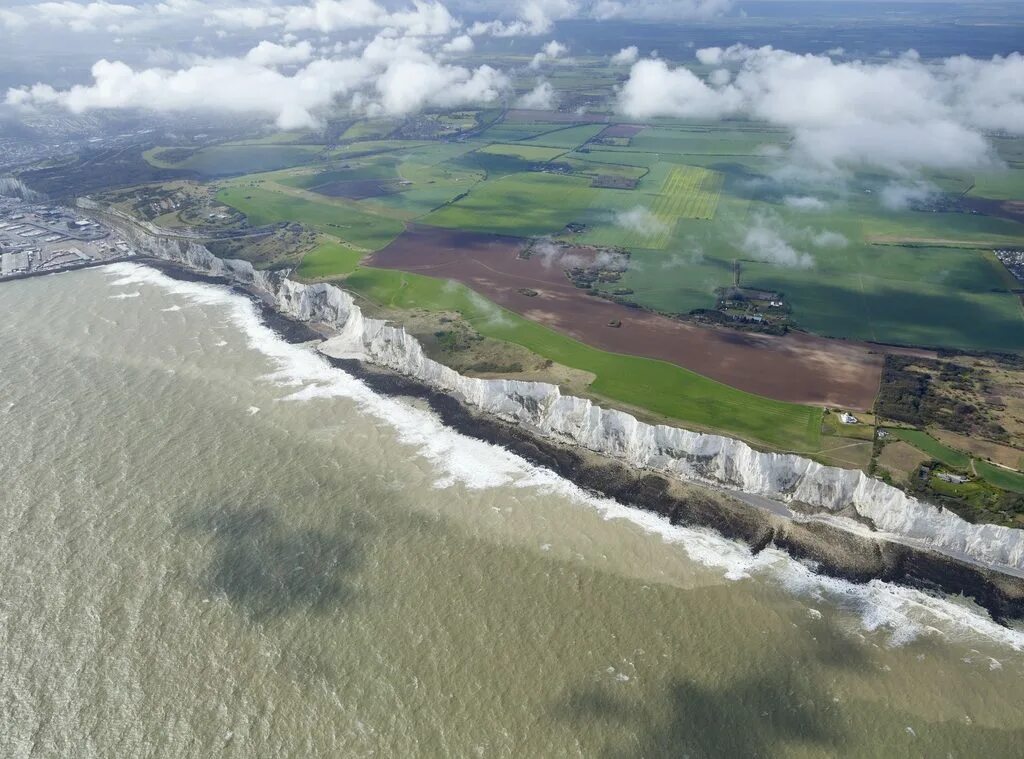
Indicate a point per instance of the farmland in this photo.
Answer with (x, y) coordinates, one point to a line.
(698, 208)
(653, 387)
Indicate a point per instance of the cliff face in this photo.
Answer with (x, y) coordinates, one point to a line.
(542, 409)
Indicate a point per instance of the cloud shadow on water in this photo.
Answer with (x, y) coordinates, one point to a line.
(756, 715)
(268, 568)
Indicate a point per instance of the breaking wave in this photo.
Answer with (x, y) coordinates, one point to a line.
(898, 613)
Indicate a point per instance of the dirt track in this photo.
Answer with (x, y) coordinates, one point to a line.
(798, 368)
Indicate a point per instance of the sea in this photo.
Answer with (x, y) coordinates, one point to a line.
(214, 544)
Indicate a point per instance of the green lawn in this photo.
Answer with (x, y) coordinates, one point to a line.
(662, 388)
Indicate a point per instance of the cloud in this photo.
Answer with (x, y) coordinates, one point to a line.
(77, 16)
(391, 77)
(627, 56)
(641, 221)
(540, 98)
(903, 114)
(666, 10)
(271, 54)
(899, 196)
(422, 18)
(654, 89)
(550, 52)
(410, 86)
(534, 17)
(805, 203)
(763, 242)
(461, 44)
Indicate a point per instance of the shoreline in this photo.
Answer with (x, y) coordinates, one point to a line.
(829, 548)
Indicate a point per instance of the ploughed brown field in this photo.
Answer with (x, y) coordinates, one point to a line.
(554, 117)
(359, 189)
(798, 368)
(621, 130)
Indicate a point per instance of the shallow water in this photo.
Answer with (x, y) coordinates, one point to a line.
(213, 544)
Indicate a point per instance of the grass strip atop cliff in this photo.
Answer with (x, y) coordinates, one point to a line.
(661, 388)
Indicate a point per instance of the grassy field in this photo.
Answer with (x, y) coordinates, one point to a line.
(327, 261)
(866, 272)
(929, 445)
(1001, 478)
(567, 139)
(262, 206)
(521, 204)
(690, 192)
(524, 152)
(660, 388)
(992, 474)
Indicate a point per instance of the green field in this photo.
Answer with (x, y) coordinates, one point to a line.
(522, 204)
(690, 192)
(261, 206)
(932, 447)
(992, 474)
(569, 138)
(523, 152)
(328, 260)
(1001, 478)
(661, 388)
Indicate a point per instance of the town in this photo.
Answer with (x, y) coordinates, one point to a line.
(40, 238)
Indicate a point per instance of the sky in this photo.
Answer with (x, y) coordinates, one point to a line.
(295, 63)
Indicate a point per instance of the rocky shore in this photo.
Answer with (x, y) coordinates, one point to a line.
(981, 562)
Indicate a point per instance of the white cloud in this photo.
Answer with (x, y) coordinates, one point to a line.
(902, 114)
(391, 77)
(655, 89)
(424, 18)
(805, 203)
(461, 44)
(271, 54)
(899, 196)
(409, 86)
(550, 52)
(77, 16)
(627, 56)
(675, 10)
(762, 242)
(540, 98)
(641, 221)
(534, 17)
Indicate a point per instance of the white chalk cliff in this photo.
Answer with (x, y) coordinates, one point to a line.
(543, 409)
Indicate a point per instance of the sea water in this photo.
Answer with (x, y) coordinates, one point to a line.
(212, 543)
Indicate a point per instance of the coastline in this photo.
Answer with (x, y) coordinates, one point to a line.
(830, 549)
